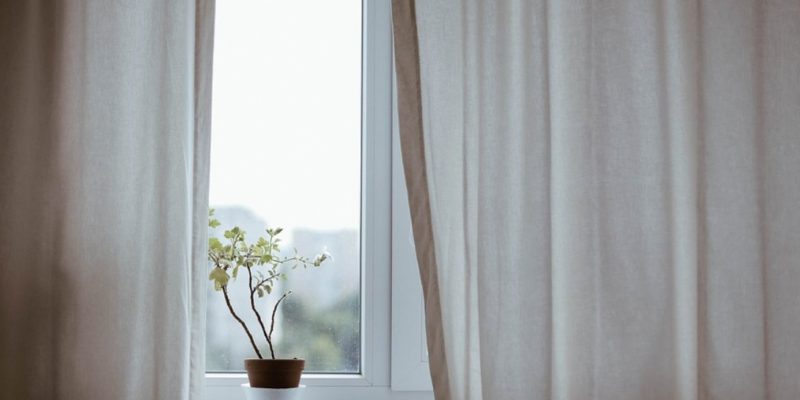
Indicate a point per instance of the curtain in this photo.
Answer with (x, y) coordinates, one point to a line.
(104, 140)
(605, 195)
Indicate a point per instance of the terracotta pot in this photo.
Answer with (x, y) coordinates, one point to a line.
(274, 374)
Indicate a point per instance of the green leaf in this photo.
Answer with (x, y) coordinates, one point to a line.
(268, 288)
(320, 259)
(214, 244)
(219, 276)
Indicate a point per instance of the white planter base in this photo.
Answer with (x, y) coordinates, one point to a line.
(272, 394)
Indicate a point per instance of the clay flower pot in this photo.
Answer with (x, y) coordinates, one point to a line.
(274, 374)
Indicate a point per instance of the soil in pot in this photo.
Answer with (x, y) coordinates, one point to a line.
(274, 374)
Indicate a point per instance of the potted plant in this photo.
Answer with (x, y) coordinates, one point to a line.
(264, 266)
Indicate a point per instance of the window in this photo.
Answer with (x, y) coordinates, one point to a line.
(303, 100)
(286, 152)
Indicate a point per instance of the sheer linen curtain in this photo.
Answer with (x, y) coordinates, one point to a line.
(104, 135)
(605, 195)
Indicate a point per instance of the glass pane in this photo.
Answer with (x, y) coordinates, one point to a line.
(286, 152)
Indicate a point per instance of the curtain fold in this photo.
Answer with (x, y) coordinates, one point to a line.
(104, 140)
(413, 153)
(604, 195)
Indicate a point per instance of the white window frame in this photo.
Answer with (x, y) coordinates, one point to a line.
(392, 367)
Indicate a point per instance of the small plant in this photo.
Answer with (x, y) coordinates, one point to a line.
(261, 262)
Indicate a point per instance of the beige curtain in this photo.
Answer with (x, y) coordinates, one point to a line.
(103, 166)
(605, 195)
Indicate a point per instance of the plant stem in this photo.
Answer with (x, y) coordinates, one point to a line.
(249, 335)
(263, 281)
(275, 310)
(258, 315)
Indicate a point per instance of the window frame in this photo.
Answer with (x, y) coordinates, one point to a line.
(378, 303)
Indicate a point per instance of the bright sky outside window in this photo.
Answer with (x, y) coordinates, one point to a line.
(286, 145)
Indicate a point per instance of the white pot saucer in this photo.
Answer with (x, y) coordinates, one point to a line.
(271, 394)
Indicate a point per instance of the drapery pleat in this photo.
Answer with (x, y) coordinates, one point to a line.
(413, 149)
(104, 134)
(612, 193)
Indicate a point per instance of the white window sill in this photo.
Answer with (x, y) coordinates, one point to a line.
(318, 387)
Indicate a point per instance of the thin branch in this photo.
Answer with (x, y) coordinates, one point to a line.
(258, 315)
(278, 260)
(275, 310)
(297, 259)
(230, 308)
(258, 284)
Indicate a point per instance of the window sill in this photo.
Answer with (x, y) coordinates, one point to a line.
(318, 387)
(311, 380)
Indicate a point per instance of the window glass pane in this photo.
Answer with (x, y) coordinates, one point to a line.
(286, 152)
